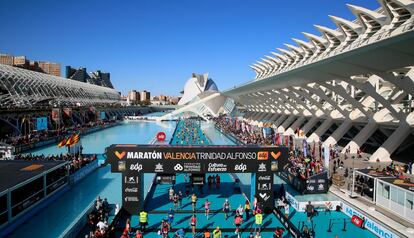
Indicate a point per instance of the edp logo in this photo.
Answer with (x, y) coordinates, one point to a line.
(240, 167)
(135, 167)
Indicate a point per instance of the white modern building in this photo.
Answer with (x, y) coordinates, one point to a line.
(201, 97)
(352, 85)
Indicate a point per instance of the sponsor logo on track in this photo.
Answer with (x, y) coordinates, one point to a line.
(178, 167)
(120, 155)
(262, 155)
(217, 167)
(240, 167)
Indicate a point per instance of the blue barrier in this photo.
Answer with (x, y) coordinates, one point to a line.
(83, 172)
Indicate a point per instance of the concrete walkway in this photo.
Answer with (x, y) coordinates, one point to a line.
(383, 216)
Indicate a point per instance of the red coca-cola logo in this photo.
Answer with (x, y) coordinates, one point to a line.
(161, 136)
(356, 220)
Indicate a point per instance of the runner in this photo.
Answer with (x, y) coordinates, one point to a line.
(194, 201)
(143, 220)
(309, 210)
(217, 181)
(206, 234)
(217, 233)
(175, 201)
(193, 223)
(171, 193)
(278, 232)
(238, 219)
(139, 234)
(239, 210)
(226, 208)
(207, 208)
(180, 198)
(164, 228)
(170, 217)
(257, 235)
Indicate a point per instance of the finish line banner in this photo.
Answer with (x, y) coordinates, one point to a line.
(133, 160)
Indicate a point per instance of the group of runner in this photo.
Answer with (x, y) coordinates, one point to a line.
(241, 213)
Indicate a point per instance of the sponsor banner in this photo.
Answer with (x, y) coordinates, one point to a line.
(132, 194)
(209, 153)
(326, 156)
(293, 202)
(67, 111)
(134, 160)
(314, 185)
(369, 224)
(102, 115)
(41, 123)
(217, 167)
(301, 206)
(56, 115)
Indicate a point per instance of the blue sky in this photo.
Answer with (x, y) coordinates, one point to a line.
(157, 44)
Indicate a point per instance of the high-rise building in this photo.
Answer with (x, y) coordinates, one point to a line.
(6, 59)
(50, 68)
(20, 61)
(133, 96)
(39, 66)
(145, 96)
(98, 77)
(163, 98)
(76, 74)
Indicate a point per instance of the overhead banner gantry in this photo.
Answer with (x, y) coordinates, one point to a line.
(134, 160)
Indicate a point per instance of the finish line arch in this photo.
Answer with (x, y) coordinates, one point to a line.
(135, 160)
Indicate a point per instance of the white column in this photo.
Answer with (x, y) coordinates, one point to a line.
(295, 125)
(280, 120)
(361, 137)
(310, 124)
(338, 133)
(286, 123)
(315, 137)
(383, 153)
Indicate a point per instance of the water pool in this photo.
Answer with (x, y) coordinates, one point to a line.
(54, 219)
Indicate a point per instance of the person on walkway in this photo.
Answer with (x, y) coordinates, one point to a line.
(287, 207)
(171, 193)
(238, 219)
(175, 201)
(247, 209)
(206, 234)
(194, 202)
(180, 199)
(309, 210)
(226, 208)
(239, 210)
(193, 223)
(257, 235)
(165, 228)
(139, 234)
(217, 181)
(170, 216)
(258, 221)
(217, 233)
(207, 208)
(143, 220)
